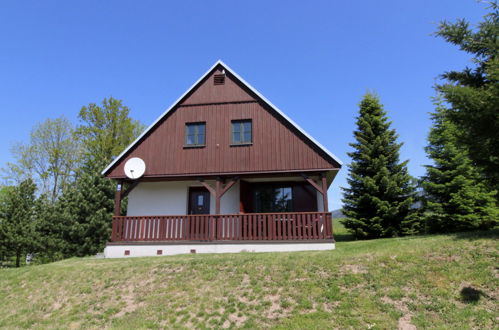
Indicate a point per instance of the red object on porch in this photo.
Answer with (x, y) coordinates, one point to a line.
(224, 227)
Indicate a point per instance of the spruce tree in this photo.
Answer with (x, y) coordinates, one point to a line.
(455, 197)
(472, 94)
(17, 221)
(88, 206)
(52, 230)
(378, 201)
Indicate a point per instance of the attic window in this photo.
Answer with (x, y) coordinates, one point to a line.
(219, 79)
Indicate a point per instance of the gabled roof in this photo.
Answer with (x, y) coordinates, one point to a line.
(242, 81)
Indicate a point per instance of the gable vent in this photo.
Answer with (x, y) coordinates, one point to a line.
(219, 79)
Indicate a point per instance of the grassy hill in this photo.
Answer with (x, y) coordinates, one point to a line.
(433, 281)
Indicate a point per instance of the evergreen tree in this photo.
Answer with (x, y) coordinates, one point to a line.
(86, 208)
(17, 221)
(472, 95)
(455, 198)
(380, 194)
(52, 231)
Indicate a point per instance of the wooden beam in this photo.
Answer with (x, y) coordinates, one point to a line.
(129, 189)
(218, 190)
(313, 183)
(324, 192)
(210, 188)
(229, 185)
(117, 198)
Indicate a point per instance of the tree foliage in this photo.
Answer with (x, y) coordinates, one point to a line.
(50, 157)
(456, 198)
(88, 208)
(88, 205)
(106, 130)
(472, 95)
(378, 201)
(17, 220)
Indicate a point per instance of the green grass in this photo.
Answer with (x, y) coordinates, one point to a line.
(447, 281)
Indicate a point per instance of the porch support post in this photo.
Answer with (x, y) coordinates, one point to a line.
(219, 190)
(218, 196)
(117, 198)
(324, 192)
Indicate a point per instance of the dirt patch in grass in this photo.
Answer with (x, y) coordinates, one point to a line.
(354, 269)
(404, 322)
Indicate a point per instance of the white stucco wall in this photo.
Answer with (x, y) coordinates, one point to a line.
(320, 202)
(171, 198)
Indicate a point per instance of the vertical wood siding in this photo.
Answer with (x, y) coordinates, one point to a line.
(276, 145)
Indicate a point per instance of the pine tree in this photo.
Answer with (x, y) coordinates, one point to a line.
(472, 95)
(455, 198)
(88, 206)
(17, 221)
(378, 201)
(52, 231)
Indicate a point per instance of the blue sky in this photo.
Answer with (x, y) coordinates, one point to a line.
(313, 59)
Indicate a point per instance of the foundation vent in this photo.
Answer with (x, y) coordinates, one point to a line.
(127, 252)
(159, 252)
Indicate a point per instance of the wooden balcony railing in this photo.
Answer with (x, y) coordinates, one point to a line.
(224, 227)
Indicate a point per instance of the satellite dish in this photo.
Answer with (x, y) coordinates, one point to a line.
(135, 168)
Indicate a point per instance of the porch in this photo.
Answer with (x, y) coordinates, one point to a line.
(259, 213)
(296, 226)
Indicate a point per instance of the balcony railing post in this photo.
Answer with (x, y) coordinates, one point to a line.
(113, 230)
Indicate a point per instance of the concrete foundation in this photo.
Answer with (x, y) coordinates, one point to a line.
(148, 250)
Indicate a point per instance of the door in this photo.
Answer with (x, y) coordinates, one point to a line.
(199, 200)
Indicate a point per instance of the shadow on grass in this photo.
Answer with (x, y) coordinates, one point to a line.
(340, 233)
(471, 295)
(478, 234)
(343, 237)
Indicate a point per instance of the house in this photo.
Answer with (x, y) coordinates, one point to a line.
(222, 170)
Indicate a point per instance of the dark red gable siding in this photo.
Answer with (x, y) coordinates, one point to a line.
(277, 146)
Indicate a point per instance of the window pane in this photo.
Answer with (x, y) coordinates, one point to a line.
(201, 139)
(236, 127)
(191, 129)
(273, 199)
(201, 128)
(191, 139)
(247, 136)
(247, 126)
(236, 137)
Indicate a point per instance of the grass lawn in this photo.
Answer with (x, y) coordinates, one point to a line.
(447, 281)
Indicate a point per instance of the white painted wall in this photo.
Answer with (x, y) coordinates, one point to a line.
(171, 198)
(230, 201)
(320, 202)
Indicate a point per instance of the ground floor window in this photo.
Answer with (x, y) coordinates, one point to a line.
(272, 199)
